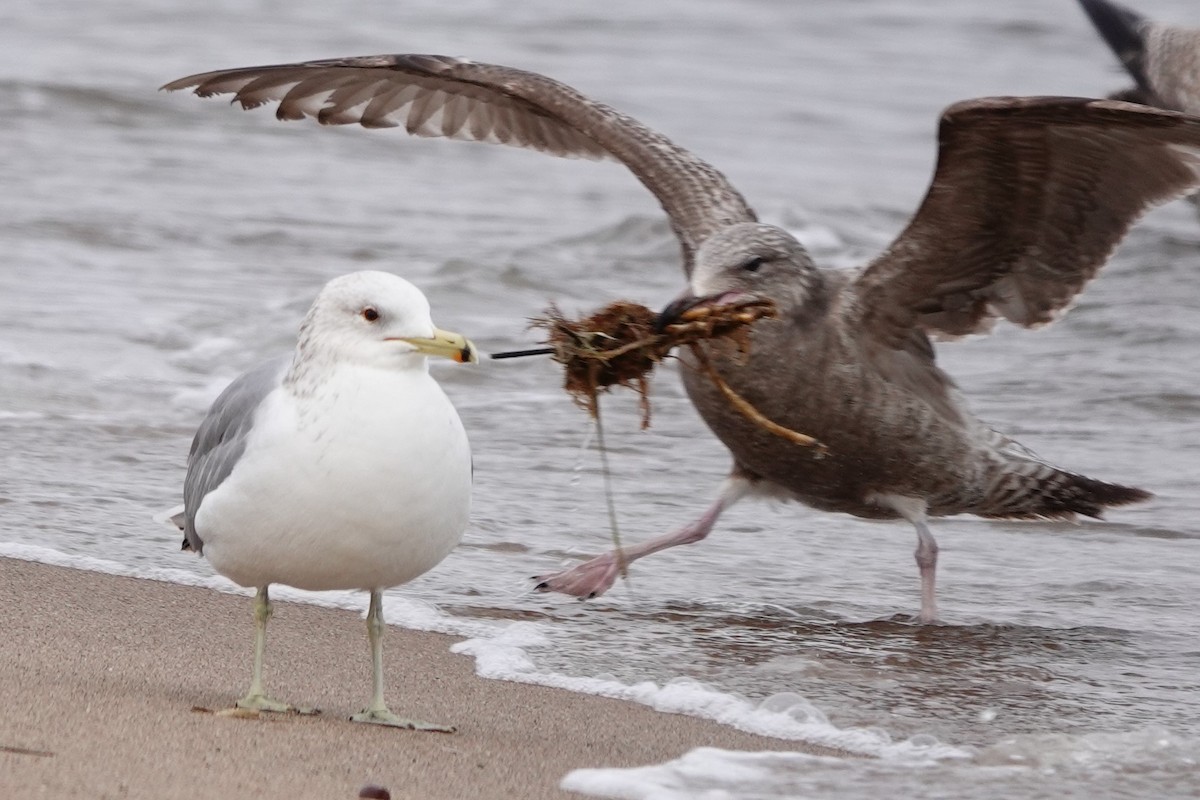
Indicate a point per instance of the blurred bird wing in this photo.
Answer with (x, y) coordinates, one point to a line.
(1029, 199)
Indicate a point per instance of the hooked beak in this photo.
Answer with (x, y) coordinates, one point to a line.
(445, 344)
(677, 310)
(672, 312)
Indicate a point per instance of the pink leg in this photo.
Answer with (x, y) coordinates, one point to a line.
(595, 577)
(913, 509)
(927, 552)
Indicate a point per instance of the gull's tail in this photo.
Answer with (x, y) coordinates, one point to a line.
(1025, 487)
(176, 518)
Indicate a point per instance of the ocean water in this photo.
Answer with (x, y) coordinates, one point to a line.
(156, 245)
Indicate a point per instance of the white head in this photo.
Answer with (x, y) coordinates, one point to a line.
(376, 319)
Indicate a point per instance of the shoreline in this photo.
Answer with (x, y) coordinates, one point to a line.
(100, 675)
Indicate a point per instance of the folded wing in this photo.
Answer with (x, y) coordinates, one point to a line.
(221, 439)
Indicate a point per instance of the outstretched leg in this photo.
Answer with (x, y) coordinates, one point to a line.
(593, 578)
(378, 713)
(255, 699)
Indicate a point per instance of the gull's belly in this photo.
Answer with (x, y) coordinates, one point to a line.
(359, 494)
(880, 439)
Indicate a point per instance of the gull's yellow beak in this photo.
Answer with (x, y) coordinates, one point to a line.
(446, 344)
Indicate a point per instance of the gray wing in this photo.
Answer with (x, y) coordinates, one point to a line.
(458, 99)
(221, 439)
(1164, 60)
(1029, 199)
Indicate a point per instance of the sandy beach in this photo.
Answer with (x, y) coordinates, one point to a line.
(100, 676)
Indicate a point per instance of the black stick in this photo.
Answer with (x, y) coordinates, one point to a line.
(537, 351)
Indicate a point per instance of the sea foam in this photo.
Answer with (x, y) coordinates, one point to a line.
(1151, 762)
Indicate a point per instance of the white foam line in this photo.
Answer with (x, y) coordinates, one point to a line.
(400, 611)
(705, 771)
(787, 716)
(499, 650)
(1147, 762)
(44, 555)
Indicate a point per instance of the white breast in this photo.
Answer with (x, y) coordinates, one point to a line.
(363, 485)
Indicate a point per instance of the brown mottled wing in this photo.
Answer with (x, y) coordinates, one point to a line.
(454, 98)
(1029, 199)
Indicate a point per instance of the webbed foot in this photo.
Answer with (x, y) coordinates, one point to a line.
(385, 717)
(260, 702)
(590, 579)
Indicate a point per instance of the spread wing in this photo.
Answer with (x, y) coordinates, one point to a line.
(1029, 199)
(221, 439)
(454, 98)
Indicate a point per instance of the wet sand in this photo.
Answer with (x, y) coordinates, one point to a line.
(100, 676)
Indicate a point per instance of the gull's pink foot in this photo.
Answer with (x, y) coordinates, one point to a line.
(585, 581)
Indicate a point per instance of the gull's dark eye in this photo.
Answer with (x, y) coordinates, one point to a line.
(753, 264)
(370, 314)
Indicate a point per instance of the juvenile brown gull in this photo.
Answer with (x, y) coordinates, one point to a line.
(341, 466)
(1029, 199)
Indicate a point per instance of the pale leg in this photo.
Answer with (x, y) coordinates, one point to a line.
(913, 509)
(593, 578)
(255, 699)
(378, 713)
(927, 552)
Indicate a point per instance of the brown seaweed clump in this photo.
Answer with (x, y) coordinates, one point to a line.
(618, 345)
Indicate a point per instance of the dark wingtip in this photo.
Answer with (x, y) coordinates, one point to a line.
(1134, 94)
(1122, 29)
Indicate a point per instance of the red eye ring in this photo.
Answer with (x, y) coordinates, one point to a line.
(370, 314)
